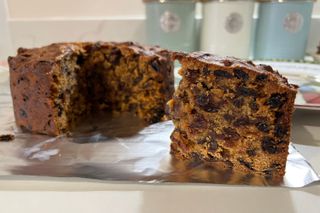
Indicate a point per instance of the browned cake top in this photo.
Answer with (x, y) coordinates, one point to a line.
(29, 58)
(207, 59)
(56, 51)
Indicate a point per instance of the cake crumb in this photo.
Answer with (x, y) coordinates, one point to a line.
(6, 137)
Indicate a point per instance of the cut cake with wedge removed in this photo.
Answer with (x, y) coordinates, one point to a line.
(53, 86)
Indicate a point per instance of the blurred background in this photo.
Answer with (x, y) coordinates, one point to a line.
(181, 25)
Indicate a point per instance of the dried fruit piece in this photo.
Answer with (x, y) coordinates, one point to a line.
(213, 146)
(276, 100)
(23, 113)
(280, 131)
(254, 106)
(244, 91)
(198, 122)
(241, 74)
(204, 102)
(242, 121)
(7, 137)
(261, 77)
(238, 102)
(251, 152)
(222, 74)
(191, 75)
(263, 126)
(268, 145)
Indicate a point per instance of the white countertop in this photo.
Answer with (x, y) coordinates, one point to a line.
(78, 196)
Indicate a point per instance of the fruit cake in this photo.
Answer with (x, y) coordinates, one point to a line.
(53, 86)
(231, 110)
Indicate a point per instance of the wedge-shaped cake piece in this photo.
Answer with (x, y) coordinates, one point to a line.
(231, 110)
(53, 86)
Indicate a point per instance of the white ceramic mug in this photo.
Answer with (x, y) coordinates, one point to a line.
(227, 27)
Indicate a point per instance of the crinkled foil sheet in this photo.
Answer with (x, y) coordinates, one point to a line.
(121, 149)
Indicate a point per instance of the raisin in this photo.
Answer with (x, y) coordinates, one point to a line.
(251, 152)
(122, 85)
(263, 126)
(20, 79)
(25, 98)
(115, 57)
(244, 91)
(202, 100)
(7, 137)
(276, 100)
(245, 163)
(48, 124)
(137, 79)
(55, 78)
(278, 115)
(133, 107)
(23, 113)
(199, 122)
(268, 145)
(261, 77)
(205, 55)
(225, 89)
(280, 131)
(275, 166)
(195, 156)
(60, 110)
(228, 117)
(238, 102)
(222, 74)
(213, 146)
(155, 65)
(225, 153)
(230, 133)
(61, 96)
(266, 67)
(268, 174)
(205, 86)
(206, 71)
(193, 111)
(196, 90)
(241, 74)
(163, 90)
(254, 106)
(157, 115)
(227, 62)
(251, 63)
(211, 108)
(246, 179)
(202, 141)
(184, 97)
(242, 121)
(191, 75)
(205, 103)
(80, 60)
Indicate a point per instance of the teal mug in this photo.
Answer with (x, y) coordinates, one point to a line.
(282, 29)
(171, 24)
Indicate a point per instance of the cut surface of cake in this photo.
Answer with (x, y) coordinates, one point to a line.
(231, 110)
(53, 86)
